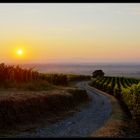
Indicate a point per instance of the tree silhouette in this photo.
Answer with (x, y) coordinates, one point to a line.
(97, 73)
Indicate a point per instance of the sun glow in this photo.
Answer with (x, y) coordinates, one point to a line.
(19, 52)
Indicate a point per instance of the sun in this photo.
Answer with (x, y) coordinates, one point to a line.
(19, 52)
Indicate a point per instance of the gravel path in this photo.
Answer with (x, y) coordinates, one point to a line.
(82, 123)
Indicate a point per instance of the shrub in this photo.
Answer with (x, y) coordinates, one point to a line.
(97, 73)
(131, 97)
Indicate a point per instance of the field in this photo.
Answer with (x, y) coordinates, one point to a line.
(15, 77)
(26, 95)
(114, 85)
(126, 90)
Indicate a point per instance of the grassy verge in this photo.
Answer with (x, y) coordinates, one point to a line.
(119, 124)
(28, 86)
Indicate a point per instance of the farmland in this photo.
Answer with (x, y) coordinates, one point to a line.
(25, 93)
(15, 77)
(124, 89)
(114, 85)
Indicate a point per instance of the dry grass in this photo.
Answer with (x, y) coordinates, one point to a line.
(24, 107)
(112, 129)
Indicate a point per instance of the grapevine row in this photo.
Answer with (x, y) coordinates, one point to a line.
(113, 85)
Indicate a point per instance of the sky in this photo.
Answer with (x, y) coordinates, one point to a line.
(69, 32)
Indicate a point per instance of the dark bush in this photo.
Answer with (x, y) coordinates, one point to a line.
(97, 73)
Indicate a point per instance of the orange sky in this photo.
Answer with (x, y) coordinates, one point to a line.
(70, 32)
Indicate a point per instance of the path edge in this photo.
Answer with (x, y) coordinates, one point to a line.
(116, 123)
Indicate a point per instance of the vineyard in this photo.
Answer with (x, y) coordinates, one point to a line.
(113, 85)
(15, 76)
(124, 89)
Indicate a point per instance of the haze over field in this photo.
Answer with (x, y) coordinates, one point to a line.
(45, 33)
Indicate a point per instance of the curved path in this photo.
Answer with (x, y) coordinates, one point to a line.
(82, 123)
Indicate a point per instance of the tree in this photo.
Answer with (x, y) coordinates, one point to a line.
(97, 73)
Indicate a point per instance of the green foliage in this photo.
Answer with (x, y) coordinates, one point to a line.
(113, 85)
(125, 89)
(131, 96)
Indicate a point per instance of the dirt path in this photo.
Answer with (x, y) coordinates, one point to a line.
(82, 123)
